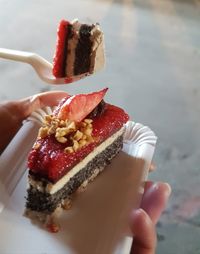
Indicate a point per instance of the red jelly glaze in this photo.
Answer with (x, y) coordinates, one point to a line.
(53, 228)
(58, 59)
(51, 162)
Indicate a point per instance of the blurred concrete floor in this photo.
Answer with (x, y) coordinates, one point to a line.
(153, 71)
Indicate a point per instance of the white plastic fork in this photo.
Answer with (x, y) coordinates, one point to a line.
(42, 67)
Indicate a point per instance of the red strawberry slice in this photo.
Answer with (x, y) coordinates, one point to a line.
(57, 109)
(77, 107)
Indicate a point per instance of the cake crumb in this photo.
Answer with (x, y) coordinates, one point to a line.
(69, 149)
(53, 227)
(67, 204)
(36, 146)
(82, 187)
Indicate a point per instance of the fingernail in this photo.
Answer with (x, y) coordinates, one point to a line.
(152, 167)
(137, 213)
(165, 186)
(168, 189)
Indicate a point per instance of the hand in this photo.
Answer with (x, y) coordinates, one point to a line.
(143, 220)
(155, 197)
(14, 112)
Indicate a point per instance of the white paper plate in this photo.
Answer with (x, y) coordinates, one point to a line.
(98, 220)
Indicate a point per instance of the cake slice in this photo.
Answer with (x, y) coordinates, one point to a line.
(79, 49)
(73, 146)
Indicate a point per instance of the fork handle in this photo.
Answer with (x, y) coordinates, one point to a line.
(15, 55)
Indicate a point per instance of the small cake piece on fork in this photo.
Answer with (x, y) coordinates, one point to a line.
(79, 49)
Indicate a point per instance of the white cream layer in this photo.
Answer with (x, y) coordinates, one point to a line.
(52, 188)
(98, 52)
(72, 44)
(97, 57)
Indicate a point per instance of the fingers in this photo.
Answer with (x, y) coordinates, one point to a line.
(143, 220)
(14, 112)
(154, 199)
(47, 99)
(32, 103)
(144, 233)
(152, 167)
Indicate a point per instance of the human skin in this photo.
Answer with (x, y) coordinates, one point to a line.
(142, 221)
(12, 113)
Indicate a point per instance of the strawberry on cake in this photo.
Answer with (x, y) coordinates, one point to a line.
(79, 49)
(73, 146)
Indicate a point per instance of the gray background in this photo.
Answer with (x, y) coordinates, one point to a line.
(152, 71)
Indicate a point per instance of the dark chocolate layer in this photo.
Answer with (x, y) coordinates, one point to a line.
(47, 203)
(83, 51)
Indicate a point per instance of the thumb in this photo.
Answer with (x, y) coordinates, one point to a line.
(32, 103)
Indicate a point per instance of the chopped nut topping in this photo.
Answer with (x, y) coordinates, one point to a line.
(88, 131)
(67, 122)
(61, 139)
(62, 123)
(83, 124)
(78, 135)
(84, 137)
(90, 139)
(82, 142)
(48, 119)
(75, 135)
(61, 132)
(89, 125)
(75, 145)
(69, 149)
(52, 130)
(88, 121)
(36, 145)
(72, 126)
(43, 132)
